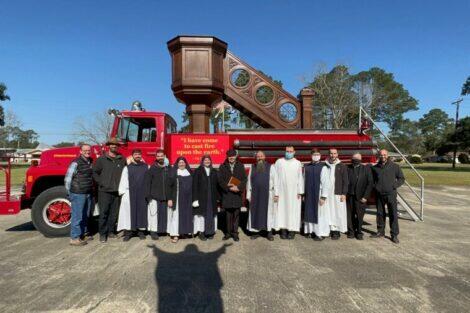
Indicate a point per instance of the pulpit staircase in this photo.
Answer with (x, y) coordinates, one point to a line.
(204, 72)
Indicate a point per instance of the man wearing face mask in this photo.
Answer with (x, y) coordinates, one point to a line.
(388, 176)
(288, 190)
(158, 183)
(259, 192)
(359, 189)
(333, 189)
(312, 194)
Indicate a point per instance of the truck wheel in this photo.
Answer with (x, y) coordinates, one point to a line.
(51, 212)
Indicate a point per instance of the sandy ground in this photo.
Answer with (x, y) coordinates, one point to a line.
(429, 271)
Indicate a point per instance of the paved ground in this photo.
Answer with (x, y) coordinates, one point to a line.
(428, 272)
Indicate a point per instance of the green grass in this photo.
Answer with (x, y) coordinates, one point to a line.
(436, 174)
(17, 176)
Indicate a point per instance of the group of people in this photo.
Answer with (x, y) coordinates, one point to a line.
(334, 195)
(138, 198)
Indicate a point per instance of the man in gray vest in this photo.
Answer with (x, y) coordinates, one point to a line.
(79, 185)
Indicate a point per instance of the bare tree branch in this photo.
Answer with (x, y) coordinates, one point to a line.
(94, 129)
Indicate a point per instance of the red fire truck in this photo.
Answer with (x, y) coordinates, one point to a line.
(44, 192)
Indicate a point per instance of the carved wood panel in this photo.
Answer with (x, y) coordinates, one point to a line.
(256, 95)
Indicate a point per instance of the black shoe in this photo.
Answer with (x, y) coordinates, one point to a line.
(112, 235)
(377, 235)
(254, 236)
(202, 237)
(270, 236)
(103, 238)
(335, 235)
(210, 237)
(126, 238)
(291, 235)
(226, 237)
(141, 235)
(318, 238)
(351, 235)
(283, 234)
(395, 239)
(235, 237)
(86, 237)
(360, 237)
(154, 235)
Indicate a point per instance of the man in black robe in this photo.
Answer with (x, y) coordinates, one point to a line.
(312, 193)
(232, 193)
(133, 210)
(260, 194)
(158, 183)
(360, 187)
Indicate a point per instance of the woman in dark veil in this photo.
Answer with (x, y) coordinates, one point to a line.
(180, 217)
(205, 198)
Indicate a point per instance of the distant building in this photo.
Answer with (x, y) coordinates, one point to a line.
(26, 156)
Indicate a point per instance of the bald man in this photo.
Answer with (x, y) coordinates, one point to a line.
(388, 177)
(359, 189)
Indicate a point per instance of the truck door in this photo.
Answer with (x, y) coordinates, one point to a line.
(139, 133)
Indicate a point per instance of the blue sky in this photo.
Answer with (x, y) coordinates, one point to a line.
(66, 59)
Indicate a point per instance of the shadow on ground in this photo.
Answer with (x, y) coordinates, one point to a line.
(28, 226)
(188, 281)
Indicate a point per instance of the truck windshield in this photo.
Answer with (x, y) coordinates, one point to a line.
(137, 129)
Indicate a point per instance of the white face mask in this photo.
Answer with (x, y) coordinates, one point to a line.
(316, 158)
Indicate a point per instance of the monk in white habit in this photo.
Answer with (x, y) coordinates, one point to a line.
(133, 209)
(332, 214)
(288, 190)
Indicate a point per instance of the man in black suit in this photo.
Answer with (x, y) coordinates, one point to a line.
(359, 189)
(231, 193)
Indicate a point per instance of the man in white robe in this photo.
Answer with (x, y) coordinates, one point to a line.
(288, 190)
(332, 214)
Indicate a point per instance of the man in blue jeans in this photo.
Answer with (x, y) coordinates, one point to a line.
(79, 185)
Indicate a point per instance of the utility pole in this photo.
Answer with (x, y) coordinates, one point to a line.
(457, 103)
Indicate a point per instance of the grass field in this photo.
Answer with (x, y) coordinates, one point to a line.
(17, 176)
(439, 174)
(434, 174)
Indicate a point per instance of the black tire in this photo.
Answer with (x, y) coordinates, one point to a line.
(37, 216)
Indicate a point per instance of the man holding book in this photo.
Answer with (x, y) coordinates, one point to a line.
(232, 181)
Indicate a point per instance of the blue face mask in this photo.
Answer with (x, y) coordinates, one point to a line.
(166, 162)
(289, 155)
